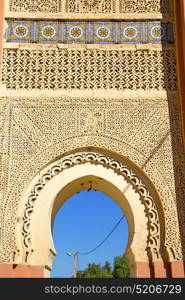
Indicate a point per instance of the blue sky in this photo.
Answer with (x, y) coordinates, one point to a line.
(81, 224)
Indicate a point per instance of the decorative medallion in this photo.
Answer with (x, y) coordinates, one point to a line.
(159, 32)
(103, 32)
(75, 32)
(48, 32)
(20, 31)
(131, 32)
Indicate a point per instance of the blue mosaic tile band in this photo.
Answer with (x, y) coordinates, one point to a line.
(89, 32)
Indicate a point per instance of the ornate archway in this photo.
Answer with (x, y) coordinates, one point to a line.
(120, 93)
(123, 182)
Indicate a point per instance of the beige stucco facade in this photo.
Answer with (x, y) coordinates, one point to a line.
(101, 114)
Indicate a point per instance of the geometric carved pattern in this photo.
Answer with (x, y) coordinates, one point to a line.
(145, 6)
(45, 6)
(125, 6)
(90, 32)
(153, 242)
(107, 69)
(92, 6)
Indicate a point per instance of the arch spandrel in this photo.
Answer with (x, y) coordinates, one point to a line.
(27, 174)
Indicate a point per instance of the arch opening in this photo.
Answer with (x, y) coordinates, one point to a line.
(80, 225)
(137, 240)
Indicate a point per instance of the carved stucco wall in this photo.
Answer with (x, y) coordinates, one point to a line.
(39, 129)
(119, 69)
(91, 6)
(123, 99)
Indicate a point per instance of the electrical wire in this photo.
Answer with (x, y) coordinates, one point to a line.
(114, 228)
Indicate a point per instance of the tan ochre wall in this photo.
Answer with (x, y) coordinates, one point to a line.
(57, 98)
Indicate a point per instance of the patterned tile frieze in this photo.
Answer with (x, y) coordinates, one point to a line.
(87, 32)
